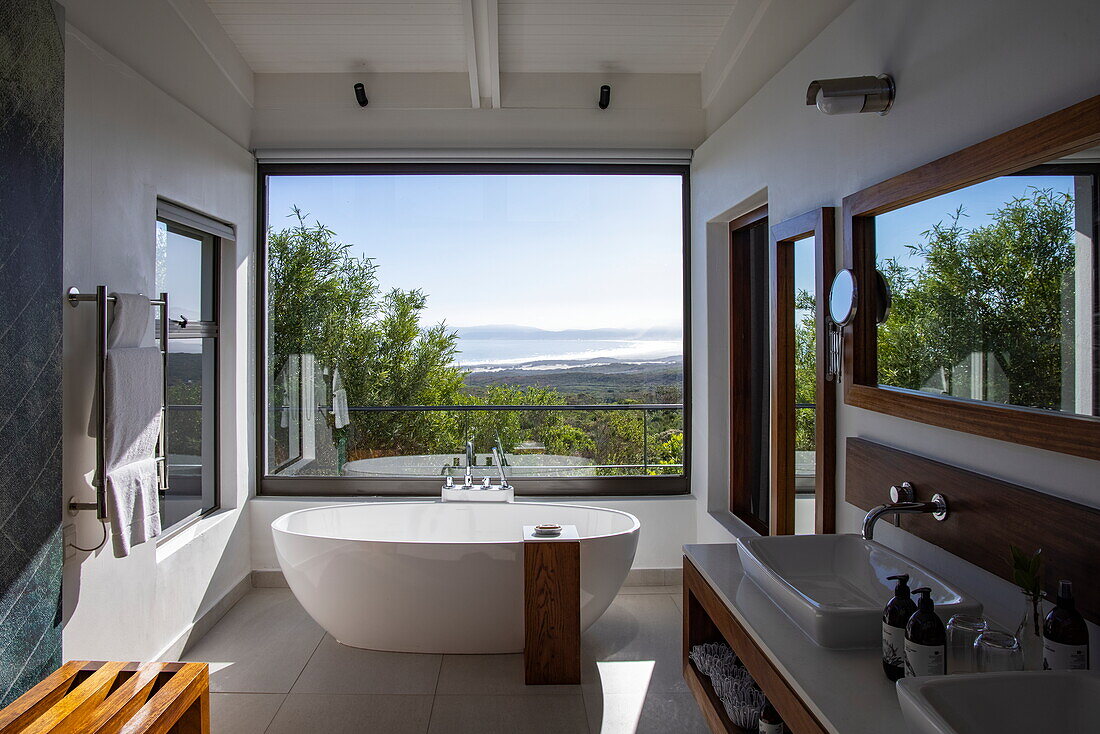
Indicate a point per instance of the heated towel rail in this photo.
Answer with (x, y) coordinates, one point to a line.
(101, 299)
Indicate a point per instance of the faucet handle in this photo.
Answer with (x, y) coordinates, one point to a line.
(904, 493)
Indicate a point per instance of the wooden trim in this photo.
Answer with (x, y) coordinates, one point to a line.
(1056, 135)
(705, 616)
(821, 225)
(985, 516)
(552, 616)
(742, 432)
(782, 422)
(749, 218)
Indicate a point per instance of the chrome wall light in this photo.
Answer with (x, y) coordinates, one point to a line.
(852, 94)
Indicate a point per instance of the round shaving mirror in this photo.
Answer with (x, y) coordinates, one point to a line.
(842, 298)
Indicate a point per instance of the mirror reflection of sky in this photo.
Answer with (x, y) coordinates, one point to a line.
(548, 251)
(901, 227)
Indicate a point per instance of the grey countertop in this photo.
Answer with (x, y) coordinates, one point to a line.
(845, 689)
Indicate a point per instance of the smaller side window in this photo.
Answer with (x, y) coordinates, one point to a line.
(186, 263)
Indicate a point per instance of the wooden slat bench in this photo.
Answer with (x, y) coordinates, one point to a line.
(110, 697)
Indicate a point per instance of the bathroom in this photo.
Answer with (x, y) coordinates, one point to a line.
(681, 153)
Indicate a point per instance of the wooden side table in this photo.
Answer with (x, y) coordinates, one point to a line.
(83, 697)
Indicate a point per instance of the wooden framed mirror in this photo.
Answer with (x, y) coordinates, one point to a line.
(992, 258)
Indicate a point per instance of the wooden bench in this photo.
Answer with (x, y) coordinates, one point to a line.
(112, 697)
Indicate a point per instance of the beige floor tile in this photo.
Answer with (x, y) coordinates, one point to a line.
(243, 713)
(635, 646)
(352, 714)
(490, 675)
(678, 600)
(530, 714)
(260, 645)
(337, 668)
(649, 590)
(654, 713)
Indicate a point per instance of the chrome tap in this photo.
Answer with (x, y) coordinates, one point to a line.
(498, 457)
(902, 503)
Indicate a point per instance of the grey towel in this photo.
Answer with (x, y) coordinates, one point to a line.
(134, 377)
(133, 427)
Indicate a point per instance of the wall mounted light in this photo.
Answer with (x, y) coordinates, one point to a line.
(361, 94)
(605, 96)
(852, 94)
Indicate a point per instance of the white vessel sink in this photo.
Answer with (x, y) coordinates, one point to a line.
(1005, 703)
(834, 587)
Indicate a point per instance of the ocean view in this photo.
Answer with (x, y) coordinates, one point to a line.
(516, 352)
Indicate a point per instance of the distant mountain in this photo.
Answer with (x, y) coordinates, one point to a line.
(513, 332)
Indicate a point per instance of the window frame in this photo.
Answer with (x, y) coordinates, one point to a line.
(198, 225)
(626, 486)
(1057, 135)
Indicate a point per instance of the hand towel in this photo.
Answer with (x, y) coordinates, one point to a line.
(133, 399)
(339, 401)
(130, 325)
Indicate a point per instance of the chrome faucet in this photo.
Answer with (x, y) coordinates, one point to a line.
(471, 459)
(902, 503)
(498, 457)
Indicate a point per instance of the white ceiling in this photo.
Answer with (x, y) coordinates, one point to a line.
(641, 36)
(321, 36)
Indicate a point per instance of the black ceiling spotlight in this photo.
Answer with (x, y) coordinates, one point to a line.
(361, 94)
(605, 96)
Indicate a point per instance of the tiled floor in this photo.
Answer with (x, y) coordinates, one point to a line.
(274, 670)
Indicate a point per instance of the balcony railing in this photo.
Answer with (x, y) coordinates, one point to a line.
(424, 455)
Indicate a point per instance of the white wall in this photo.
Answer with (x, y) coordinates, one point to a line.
(964, 72)
(126, 143)
(667, 523)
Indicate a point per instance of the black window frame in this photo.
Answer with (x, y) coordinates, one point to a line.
(624, 486)
(195, 224)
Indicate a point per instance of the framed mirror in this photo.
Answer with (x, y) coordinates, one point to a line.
(991, 264)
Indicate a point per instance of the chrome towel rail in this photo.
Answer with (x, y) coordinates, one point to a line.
(74, 298)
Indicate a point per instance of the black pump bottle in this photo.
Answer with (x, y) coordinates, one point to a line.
(894, 618)
(925, 639)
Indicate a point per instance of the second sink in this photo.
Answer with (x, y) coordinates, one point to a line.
(834, 586)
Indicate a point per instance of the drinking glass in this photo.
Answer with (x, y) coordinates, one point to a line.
(997, 652)
(962, 632)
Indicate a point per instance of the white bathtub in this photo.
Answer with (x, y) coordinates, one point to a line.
(438, 577)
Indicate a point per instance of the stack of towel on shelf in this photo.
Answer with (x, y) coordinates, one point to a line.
(133, 402)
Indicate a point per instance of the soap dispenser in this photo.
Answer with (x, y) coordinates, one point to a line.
(925, 639)
(1065, 634)
(894, 618)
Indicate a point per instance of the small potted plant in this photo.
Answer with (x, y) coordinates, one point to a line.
(1027, 573)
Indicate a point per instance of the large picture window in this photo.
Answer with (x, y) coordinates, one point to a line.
(417, 318)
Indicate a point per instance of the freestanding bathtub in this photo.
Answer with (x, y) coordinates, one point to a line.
(439, 577)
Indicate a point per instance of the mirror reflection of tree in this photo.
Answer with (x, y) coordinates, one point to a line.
(984, 314)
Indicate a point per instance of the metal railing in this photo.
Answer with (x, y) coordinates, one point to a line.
(643, 467)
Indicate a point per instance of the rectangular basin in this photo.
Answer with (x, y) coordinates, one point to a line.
(1005, 703)
(834, 587)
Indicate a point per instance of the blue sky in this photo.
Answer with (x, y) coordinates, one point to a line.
(548, 251)
(894, 230)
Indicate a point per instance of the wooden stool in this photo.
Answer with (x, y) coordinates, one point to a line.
(551, 606)
(107, 697)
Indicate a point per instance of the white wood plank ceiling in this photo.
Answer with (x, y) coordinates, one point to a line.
(641, 36)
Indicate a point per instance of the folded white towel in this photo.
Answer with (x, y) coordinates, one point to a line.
(339, 401)
(133, 399)
(130, 325)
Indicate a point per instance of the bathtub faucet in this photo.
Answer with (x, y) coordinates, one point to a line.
(498, 457)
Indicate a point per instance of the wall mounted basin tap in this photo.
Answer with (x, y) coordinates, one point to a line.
(902, 502)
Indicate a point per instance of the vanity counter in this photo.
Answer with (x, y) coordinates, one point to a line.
(821, 689)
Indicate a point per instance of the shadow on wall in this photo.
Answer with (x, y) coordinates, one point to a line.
(31, 168)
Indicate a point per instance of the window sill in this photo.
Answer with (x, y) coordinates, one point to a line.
(181, 534)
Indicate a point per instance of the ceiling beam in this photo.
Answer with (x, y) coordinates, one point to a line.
(480, 21)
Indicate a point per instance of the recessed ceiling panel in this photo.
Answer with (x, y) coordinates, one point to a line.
(298, 36)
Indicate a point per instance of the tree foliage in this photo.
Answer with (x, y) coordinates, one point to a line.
(996, 291)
